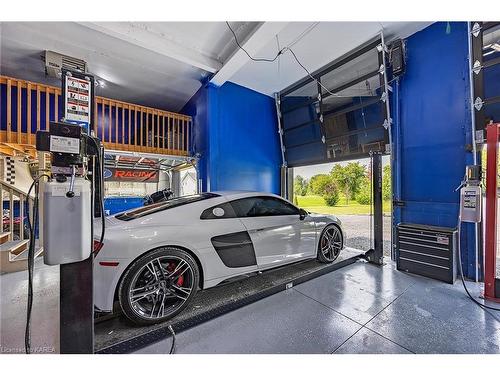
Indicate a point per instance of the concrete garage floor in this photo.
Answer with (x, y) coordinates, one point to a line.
(361, 308)
(45, 314)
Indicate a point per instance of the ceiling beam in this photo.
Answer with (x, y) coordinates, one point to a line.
(260, 37)
(143, 36)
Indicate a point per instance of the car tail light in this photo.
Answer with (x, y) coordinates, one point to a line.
(97, 246)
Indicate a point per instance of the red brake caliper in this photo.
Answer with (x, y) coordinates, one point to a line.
(170, 268)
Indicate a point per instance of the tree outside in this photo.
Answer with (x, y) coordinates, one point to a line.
(349, 179)
(386, 183)
(299, 186)
(318, 184)
(350, 184)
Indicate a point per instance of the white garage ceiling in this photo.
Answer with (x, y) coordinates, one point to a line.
(162, 64)
(315, 44)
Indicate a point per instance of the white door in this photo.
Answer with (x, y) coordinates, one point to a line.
(278, 232)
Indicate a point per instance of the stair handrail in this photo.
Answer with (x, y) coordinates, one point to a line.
(23, 197)
(9, 187)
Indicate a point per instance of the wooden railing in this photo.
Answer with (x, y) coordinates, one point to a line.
(137, 128)
(120, 125)
(12, 222)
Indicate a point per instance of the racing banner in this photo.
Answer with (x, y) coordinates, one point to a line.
(130, 175)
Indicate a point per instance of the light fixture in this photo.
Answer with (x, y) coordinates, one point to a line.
(100, 83)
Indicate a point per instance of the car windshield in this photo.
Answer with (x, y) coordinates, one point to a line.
(160, 206)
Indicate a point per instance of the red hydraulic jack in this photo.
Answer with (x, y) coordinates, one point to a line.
(491, 283)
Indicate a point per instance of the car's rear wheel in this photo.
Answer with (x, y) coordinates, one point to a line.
(330, 244)
(158, 285)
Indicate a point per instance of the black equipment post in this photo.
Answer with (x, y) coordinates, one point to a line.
(76, 302)
(76, 306)
(376, 254)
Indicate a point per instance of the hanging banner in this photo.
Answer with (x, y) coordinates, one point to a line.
(78, 97)
(130, 175)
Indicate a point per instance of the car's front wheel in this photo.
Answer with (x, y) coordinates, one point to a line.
(330, 244)
(158, 285)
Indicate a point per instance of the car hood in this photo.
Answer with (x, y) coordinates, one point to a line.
(334, 218)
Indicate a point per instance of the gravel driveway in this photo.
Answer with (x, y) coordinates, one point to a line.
(357, 228)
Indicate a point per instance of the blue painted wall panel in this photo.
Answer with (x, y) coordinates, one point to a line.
(247, 154)
(114, 205)
(434, 117)
(434, 125)
(236, 135)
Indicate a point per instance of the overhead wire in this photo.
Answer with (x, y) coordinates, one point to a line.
(303, 34)
(279, 60)
(246, 52)
(279, 53)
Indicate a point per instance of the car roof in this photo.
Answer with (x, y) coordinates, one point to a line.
(233, 194)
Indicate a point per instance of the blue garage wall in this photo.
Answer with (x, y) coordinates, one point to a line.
(236, 136)
(432, 129)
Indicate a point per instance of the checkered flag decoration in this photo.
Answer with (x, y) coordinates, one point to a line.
(10, 173)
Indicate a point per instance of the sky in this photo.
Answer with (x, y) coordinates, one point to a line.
(311, 170)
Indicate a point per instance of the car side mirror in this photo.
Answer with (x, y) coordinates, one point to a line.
(302, 214)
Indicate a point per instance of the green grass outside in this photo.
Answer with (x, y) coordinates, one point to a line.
(316, 203)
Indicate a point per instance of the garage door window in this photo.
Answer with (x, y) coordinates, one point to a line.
(339, 112)
(263, 206)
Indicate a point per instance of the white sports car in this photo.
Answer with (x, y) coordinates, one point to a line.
(156, 257)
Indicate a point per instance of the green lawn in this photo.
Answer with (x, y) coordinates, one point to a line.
(316, 203)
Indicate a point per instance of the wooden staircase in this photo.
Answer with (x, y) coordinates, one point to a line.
(13, 256)
(13, 245)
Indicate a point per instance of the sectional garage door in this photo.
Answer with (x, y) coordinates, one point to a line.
(340, 114)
